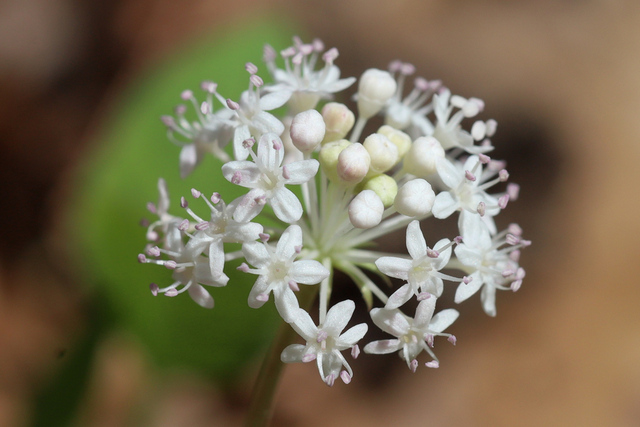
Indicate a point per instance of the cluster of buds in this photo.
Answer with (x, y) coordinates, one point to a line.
(417, 163)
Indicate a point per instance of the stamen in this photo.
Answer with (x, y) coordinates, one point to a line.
(481, 209)
(452, 339)
(195, 193)
(215, 198)
(171, 292)
(183, 203)
(355, 351)
(142, 258)
(346, 378)
(184, 225)
(243, 267)
(432, 364)
(232, 105)
(251, 68)
(413, 365)
(293, 286)
(171, 265)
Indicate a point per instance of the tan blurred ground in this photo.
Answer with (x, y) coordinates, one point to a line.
(563, 351)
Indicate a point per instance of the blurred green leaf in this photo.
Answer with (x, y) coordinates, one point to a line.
(120, 177)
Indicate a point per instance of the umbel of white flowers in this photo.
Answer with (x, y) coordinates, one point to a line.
(418, 162)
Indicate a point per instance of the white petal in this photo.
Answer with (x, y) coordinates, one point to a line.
(424, 312)
(449, 173)
(265, 122)
(488, 298)
(188, 160)
(382, 347)
(240, 135)
(394, 267)
(444, 205)
(390, 321)
(216, 257)
(163, 201)
(308, 272)
(260, 287)
(202, 274)
(416, 244)
(290, 239)
(292, 353)
(338, 316)
(249, 172)
(274, 100)
(443, 319)
(268, 155)
(443, 259)
(338, 85)
(469, 256)
(302, 171)
(303, 325)
(200, 296)
(464, 291)
(352, 336)
(256, 254)
(248, 208)
(286, 303)
(400, 296)
(286, 205)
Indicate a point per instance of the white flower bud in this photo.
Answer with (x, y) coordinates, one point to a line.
(353, 163)
(421, 159)
(307, 130)
(384, 186)
(384, 154)
(401, 140)
(366, 209)
(328, 158)
(376, 87)
(338, 120)
(415, 198)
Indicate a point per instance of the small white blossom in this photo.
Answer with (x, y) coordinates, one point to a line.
(267, 178)
(448, 130)
(413, 334)
(188, 270)
(300, 82)
(324, 343)
(279, 272)
(492, 263)
(421, 272)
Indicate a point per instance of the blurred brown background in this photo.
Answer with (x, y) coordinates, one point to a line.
(561, 77)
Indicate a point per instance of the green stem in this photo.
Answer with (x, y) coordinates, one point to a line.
(264, 390)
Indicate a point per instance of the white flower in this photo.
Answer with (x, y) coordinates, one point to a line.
(267, 178)
(325, 342)
(491, 263)
(279, 273)
(467, 185)
(251, 117)
(421, 272)
(300, 82)
(210, 133)
(220, 228)
(165, 219)
(410, 113)
(448, 130)
(413, 334)
(188, 270)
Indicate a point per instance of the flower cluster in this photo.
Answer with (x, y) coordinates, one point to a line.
(417, 162)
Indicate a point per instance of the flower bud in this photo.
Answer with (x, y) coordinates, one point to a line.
(421, 159)
(353, 163)
(307, 130)
(376, 87)
(415, 198)
(338, 120)
(366, 209)
(384, 154)
(401, 140)
(384, 186)
(328, 158)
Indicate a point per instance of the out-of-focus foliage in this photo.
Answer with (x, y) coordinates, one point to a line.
(120, 177)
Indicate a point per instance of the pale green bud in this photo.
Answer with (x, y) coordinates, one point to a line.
(401, 140)
(384, 186)
(384, 154)
(328, 158)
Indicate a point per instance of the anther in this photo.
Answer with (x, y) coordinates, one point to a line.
(215, 198)
(471, 177)
(186, 95)
(481, 208)
(293, 286)
(195, 193)
(452, 339)
(184, 225)
(183, 203)
(171, 293)
(355, 351)
(264, 237)
(413, 365)
(154, 289)
(171, 265)
(432, 253)
(142, 258)
(243, 267)
(251, 68)
(232, 104)
(202, 226)
(236, 178)
(433, 364)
